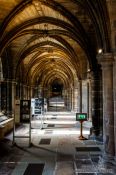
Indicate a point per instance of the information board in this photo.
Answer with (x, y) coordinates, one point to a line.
(17, 111)
(36, 106)
(81, 116)
(25, 106)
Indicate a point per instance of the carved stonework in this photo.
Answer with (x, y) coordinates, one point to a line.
(106, 61)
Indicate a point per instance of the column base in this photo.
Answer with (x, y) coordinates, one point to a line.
(97, 138)
(108, 159)
(95, 134)
(106, 164)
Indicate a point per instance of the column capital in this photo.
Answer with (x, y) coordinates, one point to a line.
(105, 59)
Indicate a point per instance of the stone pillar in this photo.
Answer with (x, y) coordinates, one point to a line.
(24, 92)
(88, 101)
(84, 96)
(75, 98)
(21, 91)
(0, 96)
(13, 95)
(80, 96)
(4, 96)
(32, 92)
(67, 98)
(89, 105)
(71, 100)
(1, 79)
(114, 83)
(95, 97)
(20, 87)
(28, 93)
(9, 97)
(106, 61)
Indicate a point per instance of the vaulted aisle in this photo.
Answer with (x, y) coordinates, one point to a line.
(59, 57)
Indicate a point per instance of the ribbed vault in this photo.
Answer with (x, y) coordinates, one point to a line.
(44, 40)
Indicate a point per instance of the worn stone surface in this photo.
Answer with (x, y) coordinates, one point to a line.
(60, 157)
(106, 62)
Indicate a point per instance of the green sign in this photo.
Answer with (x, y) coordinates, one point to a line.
(81, 116)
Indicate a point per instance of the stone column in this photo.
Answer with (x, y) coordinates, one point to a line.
(67, 98)
(95, 97)
(0, 96)
(21, 91)
(80, 96)
(75, 98)
(13, 96)
(114, 83)
(106, 61)
(89, 104)
(20, 87)
(32, 92)
(9, 97)
(28, 93)
(88, 100)
(24, 92)
(4, 96)
(1, 79)
(71, 99)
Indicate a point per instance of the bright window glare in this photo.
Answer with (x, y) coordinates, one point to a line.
(100, 51)
(67, 132)
(60, 132)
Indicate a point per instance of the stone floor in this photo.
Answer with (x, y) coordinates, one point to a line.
(56, 145)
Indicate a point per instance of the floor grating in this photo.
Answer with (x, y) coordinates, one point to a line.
(34, 169)
(90, 149)
(61, 157)
(45, 141)
(53, 118)
(51, 125)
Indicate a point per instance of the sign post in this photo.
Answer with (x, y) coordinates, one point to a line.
(81, 117)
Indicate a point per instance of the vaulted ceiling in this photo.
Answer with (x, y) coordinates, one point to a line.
(52, 39)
